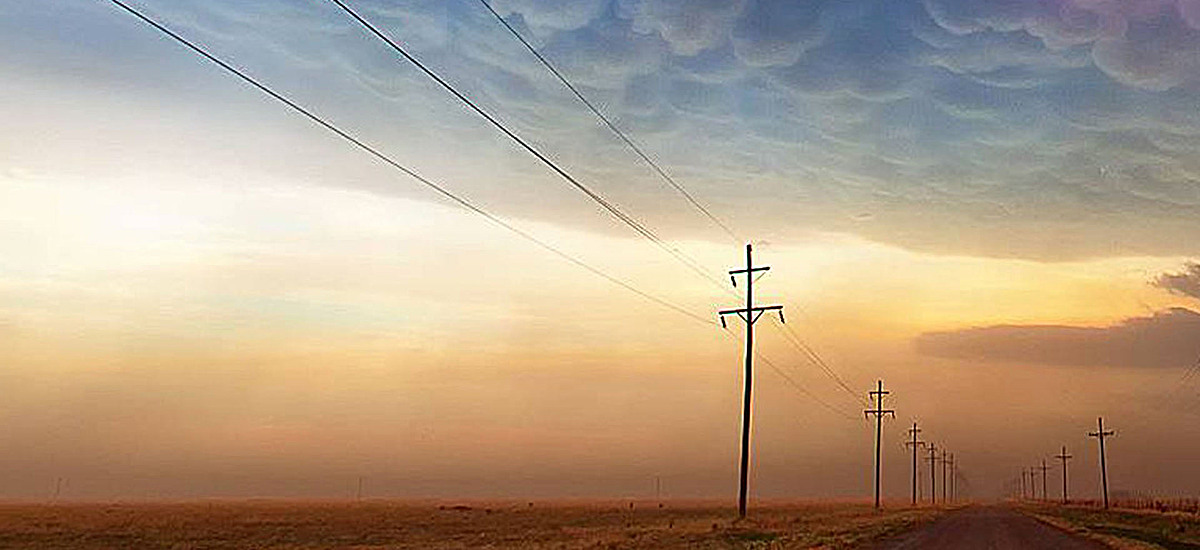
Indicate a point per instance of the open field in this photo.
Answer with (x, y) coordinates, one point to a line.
(407, 524)
(1124, 527)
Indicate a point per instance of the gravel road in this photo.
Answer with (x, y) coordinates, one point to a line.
(990, 527)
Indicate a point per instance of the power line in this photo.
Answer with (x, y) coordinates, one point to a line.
(796, 385)
(394, 164)
(612, 209)
(625, 218)
(464, 203)
(815, 358)
(611, 126)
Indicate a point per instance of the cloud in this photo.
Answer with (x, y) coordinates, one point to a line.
(689, 27)
(1185, 283)
(1044, 129)
(1169, 338)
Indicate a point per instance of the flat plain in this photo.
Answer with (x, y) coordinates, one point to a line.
(281, 524)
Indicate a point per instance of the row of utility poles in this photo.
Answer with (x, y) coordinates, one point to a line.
(750, 315)
(1029, 475)
(949, 470)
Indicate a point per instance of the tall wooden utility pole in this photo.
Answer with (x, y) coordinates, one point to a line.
(914, 443)
(1043, 468)
(750, 315)
(878, 412)
(1101, 434)
(1064, 457)
(932, 473)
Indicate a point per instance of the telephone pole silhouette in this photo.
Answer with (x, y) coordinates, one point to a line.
(878, 412)
(1064, 457)
(1022, 483)
(914, 443)
(943, 461)
(750, 315)
(1043, 468)
(952, 496)
(932, 473)
(1101, 434)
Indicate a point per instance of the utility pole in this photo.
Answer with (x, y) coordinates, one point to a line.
(914, 443)
(1101, 434)
(932, 473)
(1043, 468)
(878, 412)
(358, 495)
(943, 461)
(750, 315)
(952, 496)
(1064, 457)
(1022, 483)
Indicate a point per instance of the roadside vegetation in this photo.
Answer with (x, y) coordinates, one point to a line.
(1145, 523)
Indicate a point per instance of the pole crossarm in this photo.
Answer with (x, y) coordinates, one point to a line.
(750, 315)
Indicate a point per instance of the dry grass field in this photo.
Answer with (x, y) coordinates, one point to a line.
(1125, 527)
(406, 524)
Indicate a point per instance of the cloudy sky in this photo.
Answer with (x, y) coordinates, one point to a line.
(992, 205)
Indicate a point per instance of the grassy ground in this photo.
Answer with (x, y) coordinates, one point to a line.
(1124, 528)
(393, 524)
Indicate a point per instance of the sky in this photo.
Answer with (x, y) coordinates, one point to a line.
(991, 205)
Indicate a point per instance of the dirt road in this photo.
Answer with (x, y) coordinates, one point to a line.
(990, 527)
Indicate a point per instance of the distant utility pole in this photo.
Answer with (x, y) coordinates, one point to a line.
(952, 496)
(1022, 483)
(932, 473)
(914, 443)
(878, 412)
(943, 461)
(1043, 468)
(1101, 434)
(1064, 457)
(358, 496)
(750, 315)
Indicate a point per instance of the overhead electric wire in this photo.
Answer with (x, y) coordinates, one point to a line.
(802, 389)
(394, 164)
(611, 126)
(794, 339)
(612, 209)
(440, 190)
(816, 359)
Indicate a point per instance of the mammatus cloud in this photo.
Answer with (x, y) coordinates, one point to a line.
(1047, 129)
(1169, 338)
(1186, 282)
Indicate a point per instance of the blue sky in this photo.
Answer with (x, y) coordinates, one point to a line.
(1059, 129)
